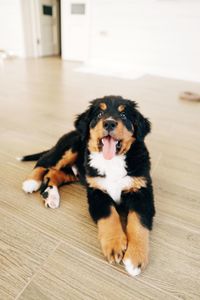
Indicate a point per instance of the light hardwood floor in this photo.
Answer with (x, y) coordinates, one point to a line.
(55, 254)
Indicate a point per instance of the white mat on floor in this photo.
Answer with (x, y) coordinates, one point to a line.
(110, 71)
(136, 72)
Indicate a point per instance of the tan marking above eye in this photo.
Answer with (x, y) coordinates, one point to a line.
(103, 106)
(121, 108)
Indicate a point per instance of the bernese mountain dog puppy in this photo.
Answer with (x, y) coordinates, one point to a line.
(106, 152)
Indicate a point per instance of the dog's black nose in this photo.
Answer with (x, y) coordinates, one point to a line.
(109, 125)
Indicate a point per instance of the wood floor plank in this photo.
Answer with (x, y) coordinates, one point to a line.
(72, 274)
(180, 172)
(22, 252)
(173, 272)
(38, 103)
(168, 230)
(73, 225)
(177, 201)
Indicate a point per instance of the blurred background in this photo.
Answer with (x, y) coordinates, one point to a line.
(126, 38)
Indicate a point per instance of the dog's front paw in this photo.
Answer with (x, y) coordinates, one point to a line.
(31, 185)
(113, 248)
(135, 258)
(51, 197)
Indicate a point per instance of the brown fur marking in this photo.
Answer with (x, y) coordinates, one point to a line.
(138, 241)
(58, 177)
(103, 106)
(68, 158)
(95, 134)
(112, 238)
(93, 183)
(120, 133)
(37, 174)
(121, 108)
(137, 183)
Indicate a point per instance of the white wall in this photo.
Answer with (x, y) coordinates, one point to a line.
(159, 36)
(75, 35)
(29, 19)
(11, 30)
(20, 28)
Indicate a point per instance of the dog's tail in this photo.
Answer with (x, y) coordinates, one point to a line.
(32, 157)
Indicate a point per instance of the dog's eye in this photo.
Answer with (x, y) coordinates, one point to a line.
(100, 115)
(123, 116)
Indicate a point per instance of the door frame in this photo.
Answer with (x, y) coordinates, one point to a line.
(32, 27)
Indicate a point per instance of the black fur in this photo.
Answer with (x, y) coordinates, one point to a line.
(33, 157)
(142, 203)
(137, 158)
(68, 141)
(99, 204)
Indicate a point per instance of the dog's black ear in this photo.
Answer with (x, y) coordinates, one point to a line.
(82, 123)
(142, 127)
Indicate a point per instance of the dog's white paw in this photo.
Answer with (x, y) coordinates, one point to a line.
(130, 268)
(31, 185)
(51, 197)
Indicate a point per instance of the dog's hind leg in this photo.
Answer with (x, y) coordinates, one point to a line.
(34, 180)
(54, 168)
(52, 180)
(58, 174)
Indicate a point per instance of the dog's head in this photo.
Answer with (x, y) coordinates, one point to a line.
(111, 124)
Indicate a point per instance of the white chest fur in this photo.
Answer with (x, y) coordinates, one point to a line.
(114, 170)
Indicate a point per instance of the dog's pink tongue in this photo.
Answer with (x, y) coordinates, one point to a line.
(109, 147)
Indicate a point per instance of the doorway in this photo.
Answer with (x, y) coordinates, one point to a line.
(42, 27)
(49, 23)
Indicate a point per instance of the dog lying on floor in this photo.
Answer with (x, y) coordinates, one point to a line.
(106, 152)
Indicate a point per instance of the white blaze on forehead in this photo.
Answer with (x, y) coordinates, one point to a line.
(115, 173)
(109, 119)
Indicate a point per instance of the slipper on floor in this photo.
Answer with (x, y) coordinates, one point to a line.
(189, 96)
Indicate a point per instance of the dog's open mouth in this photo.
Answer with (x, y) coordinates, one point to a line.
(110, 146)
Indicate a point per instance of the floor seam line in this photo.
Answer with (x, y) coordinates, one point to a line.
(38, 270)
(30, 224)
